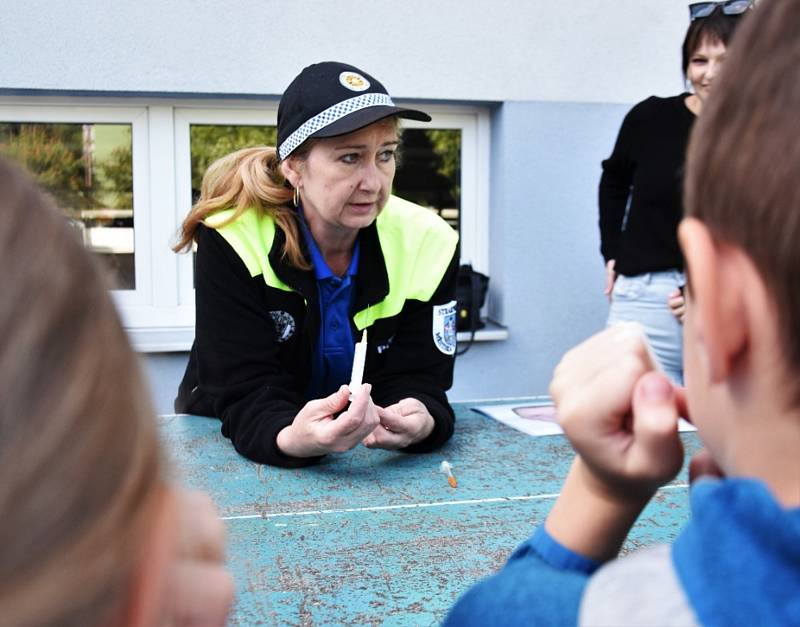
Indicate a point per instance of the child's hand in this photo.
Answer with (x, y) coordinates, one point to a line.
(620, 415)
(201, 589)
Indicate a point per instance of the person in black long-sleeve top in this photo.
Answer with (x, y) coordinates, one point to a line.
(640, 196)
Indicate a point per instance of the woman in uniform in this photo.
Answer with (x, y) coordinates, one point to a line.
(301, 252)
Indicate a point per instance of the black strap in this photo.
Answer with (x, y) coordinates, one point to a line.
(474, 311)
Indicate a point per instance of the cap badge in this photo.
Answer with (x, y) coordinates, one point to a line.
(353, 81)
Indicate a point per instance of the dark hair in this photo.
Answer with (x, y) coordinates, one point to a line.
(79, 455)
(744, 156)
(717, 27)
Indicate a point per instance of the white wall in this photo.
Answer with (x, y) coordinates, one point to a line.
(551, 71)
(551, 50)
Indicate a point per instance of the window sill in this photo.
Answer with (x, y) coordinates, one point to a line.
(492, 332)
(161, 339)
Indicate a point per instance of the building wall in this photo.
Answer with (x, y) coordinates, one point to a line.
(559, 77)
(547, 274)
(528, 50)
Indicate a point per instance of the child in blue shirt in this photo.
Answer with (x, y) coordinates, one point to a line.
(738, 560)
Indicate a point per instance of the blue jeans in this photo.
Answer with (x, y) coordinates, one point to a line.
(643, 299)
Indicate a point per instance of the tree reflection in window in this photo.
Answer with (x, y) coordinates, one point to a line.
(209, 142)
(430, 171)
(88, 170)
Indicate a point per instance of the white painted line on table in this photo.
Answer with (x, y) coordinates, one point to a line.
(383, 508)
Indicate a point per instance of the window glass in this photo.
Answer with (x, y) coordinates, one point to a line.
(430, 171)
(209, 142)
(88, 170)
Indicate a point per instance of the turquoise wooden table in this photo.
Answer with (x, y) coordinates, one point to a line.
(380, 538)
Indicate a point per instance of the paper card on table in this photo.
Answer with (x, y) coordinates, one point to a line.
(532, 417)
(537, 417)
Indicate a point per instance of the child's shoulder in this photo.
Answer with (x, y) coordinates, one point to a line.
(645, 588)
(739, 537)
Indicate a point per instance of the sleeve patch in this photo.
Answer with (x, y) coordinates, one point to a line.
(444, 327)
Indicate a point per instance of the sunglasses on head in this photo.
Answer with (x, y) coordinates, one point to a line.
(699, 10)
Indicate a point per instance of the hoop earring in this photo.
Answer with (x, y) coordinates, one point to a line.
(296, 197)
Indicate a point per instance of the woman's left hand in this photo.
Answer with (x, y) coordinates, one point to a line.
(402, 424)
(677, 305)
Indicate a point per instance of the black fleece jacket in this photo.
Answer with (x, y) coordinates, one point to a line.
(250, 369)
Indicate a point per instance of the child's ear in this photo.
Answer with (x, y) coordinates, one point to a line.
(718, 321)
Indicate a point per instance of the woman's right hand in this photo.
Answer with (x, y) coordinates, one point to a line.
(317, 430)
(611, 277)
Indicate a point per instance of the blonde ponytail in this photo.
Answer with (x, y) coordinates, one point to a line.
(249, 178)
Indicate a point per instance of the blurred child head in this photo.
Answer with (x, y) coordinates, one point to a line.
(82, 489)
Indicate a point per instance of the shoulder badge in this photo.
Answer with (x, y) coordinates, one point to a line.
(444, 327)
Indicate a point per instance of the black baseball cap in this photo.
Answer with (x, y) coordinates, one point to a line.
(329, 99)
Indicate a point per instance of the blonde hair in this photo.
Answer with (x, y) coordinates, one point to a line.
(81, 464)
(249, 178)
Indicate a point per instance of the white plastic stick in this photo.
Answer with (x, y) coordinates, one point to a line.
(359, 358)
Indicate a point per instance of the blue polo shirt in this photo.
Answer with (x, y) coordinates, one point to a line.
(335, 346)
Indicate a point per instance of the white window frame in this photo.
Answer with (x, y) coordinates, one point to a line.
(474, 212)
(185, 117)
(136, 117)
(159, 313)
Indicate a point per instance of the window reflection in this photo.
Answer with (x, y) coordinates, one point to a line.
(88, 170)
(430, 171)
(209, 142)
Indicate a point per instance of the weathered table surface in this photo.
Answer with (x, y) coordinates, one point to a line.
(380, 538)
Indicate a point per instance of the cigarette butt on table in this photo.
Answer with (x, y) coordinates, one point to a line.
(446, 468)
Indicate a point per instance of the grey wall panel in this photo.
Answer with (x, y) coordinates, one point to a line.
(547, 272)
